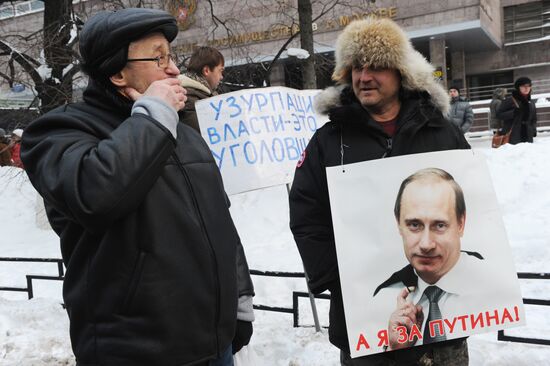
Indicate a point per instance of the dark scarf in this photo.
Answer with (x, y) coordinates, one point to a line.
(104, 95)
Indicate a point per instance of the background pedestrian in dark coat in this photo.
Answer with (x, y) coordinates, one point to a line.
(519, 113)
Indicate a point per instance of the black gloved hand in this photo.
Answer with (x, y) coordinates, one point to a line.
(243, 333)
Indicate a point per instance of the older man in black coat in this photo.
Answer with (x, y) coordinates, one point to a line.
(156, 274)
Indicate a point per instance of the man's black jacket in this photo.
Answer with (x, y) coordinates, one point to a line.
(146, 235)
(352, 136)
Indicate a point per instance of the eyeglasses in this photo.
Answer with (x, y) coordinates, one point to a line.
(162, 61)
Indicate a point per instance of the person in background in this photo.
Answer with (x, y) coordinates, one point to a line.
(156, 273)
(5, 154)
(387, 104)
(461, 113)
(203, 76)
(15, 148)
(495, 123)
(519, 113)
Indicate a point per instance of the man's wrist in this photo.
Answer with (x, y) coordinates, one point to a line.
(159, 110)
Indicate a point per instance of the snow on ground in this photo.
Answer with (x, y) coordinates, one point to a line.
(35, 332)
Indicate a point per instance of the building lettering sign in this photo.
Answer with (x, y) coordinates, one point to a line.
(281, 31)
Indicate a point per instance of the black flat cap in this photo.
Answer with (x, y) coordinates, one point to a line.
(105, 37)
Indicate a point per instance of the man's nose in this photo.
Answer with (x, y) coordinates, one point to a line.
(427, 241)
(366, 75)
(172, 68)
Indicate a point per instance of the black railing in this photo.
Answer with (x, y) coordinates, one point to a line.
(527, 301)
(296, 295)
(294, 310)
(29, 289)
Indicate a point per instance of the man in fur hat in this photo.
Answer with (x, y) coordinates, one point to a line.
(387, 104)
(519, 113)
(156, 274)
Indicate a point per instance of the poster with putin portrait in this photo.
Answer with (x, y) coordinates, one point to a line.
(422, 251)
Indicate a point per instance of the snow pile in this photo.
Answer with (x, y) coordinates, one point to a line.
(34, 333)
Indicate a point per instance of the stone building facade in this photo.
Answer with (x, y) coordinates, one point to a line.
(475, 44)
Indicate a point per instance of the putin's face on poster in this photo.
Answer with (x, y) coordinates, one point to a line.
(431, 214)
(430, 227)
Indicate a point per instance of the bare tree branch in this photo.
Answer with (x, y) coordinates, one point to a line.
(26, 62)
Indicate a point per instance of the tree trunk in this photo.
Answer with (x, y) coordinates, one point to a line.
(306, 41)
(57, 33)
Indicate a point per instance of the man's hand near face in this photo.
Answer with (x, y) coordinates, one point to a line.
(406, 314)
(169, 90)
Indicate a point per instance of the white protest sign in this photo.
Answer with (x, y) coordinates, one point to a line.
(394, 248)
(257, 135)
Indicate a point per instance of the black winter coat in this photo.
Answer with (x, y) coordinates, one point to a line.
(146, 235)
(420, 128)
(520, 115)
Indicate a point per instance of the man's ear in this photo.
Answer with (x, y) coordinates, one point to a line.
(119, 79)
(462, 224)
(205, 70)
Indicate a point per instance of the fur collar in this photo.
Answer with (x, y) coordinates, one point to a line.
(193, 81)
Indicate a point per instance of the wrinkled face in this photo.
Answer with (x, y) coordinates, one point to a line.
(140, 74)
(213, 76)
(375, 88)
(429, 228)
(453, 93)
(525, 89)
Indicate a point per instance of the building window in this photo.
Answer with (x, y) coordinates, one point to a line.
(527, 21)
(21, 8)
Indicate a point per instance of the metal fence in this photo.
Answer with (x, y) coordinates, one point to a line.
(482, 115)
(296, 295)
(527, 301)
(486, 92)
(31, 278)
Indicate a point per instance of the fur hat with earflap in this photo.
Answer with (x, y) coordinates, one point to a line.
(381, 43)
